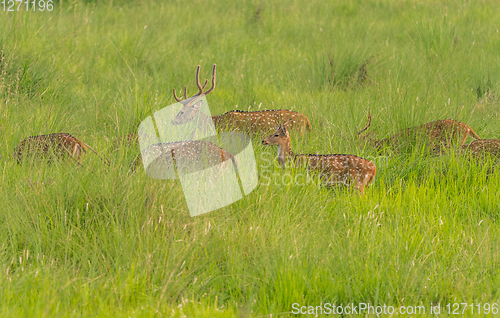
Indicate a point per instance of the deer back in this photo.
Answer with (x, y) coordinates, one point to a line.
(481, 147)
(437, 134)
(334, 162)
(264, 121)
(189, 156)
(42, 146)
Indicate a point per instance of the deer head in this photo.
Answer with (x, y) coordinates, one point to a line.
(192, 105)
(279, 137)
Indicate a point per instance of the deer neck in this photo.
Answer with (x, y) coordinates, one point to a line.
(201, 115)
(205, 119)
(215, 120)
(284, 150)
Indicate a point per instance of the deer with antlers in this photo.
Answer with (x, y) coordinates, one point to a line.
(252, 122)
(333, 169)
(58, 145)
(438, 134)
(480, 148)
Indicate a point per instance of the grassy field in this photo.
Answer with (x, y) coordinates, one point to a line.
(77, 243)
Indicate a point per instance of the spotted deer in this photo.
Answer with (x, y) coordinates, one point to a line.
(251, 122)
(189, 156)
(58, 145)
(438, 134)
(333, 169)
(481, 147)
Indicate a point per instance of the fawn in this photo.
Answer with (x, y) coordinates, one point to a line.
(439, 134)
(58, 144)
(479, 148)
(252, 122)
(334, 169)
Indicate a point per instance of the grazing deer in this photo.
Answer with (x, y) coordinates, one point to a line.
(58, 145)
(263, 121)
(479, 148)
(189, 156)
(439, 134)
(337, 168)
(252, 122)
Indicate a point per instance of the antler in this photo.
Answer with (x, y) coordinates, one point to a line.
(367, 124)
(200, 88)
(213, 81)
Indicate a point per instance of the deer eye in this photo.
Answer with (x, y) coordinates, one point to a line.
(276, 135)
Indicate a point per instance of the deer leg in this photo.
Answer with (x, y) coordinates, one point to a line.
(361, 189)
(360, 183)
(366, 181)
(351, 177)
(464, 139)
(302, 130)
(77, 152)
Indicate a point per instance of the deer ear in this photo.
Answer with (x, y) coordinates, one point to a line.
(283, 129)
(196, 106)
(277, 127)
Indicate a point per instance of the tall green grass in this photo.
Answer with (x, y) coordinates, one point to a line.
(114, 243)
